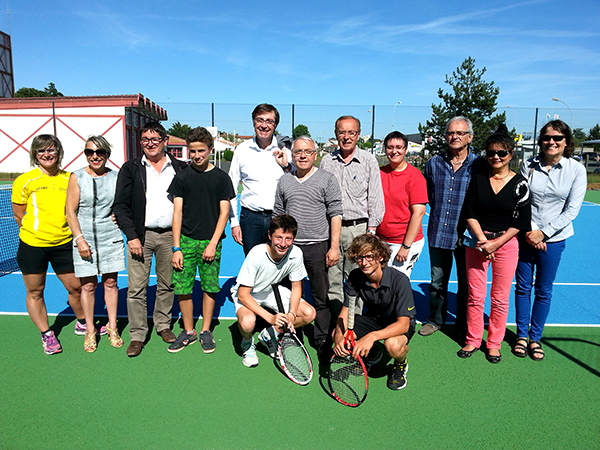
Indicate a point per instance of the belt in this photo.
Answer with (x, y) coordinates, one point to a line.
(351, 223)
(489, 235)
(266, 212)
(159, 230)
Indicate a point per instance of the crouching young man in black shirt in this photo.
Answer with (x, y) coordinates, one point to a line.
(388, 306)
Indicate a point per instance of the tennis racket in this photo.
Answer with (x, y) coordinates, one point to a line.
(348, 380)
(293, 357)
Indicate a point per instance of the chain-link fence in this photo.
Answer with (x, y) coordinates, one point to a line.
(376, 120)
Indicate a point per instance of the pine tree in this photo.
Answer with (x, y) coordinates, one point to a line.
(471, 97)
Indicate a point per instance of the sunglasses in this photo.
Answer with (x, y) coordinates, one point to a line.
(554, 137)
(500, 153)
(99, 151)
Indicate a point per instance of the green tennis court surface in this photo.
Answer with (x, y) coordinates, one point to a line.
(190, 400)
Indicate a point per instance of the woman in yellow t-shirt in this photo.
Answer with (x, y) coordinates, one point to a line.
(38, 202)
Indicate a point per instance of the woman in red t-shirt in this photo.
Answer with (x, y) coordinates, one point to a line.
(405, 193)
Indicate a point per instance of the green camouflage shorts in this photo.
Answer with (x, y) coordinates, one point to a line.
(192, 250)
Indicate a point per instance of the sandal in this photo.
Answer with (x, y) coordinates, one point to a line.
(114, 338)
(89, 344)
(520, 348)
(536, 353)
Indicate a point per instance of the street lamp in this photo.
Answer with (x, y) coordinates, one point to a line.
(394, 115)
(570, 112)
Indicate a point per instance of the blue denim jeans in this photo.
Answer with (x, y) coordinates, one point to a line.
(254, 226)
(545, 265)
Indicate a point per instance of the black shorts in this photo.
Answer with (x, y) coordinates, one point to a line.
(364, 325)
(35, 259)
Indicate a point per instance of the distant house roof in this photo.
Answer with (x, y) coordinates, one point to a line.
(138, 101)
(173, 140)
(415, 137)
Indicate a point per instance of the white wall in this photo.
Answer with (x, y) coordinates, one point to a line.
(73, 127)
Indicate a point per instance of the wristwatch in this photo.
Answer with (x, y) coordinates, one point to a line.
(175, 249)
(405, 247)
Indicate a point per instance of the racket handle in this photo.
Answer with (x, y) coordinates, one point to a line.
(275, 288)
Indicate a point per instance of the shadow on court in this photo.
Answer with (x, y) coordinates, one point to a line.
(584, 349)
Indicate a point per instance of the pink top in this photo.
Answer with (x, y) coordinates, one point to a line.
(400, 191)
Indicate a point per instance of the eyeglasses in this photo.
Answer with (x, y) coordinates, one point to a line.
(554, 137)
(155, 141)
(261, 121)
(500, 153)
(391, 148)
(304, 152)
(99, 151)
(351, 133)
(50, 151)
(365, 258)
(457, 133)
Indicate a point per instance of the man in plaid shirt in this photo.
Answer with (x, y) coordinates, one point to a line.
(448, 176)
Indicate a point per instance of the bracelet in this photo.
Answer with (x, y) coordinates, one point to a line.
(371, 231)
(77, 237)
(291, 312)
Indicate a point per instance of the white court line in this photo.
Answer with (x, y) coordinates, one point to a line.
(227, 277)
(572, 325)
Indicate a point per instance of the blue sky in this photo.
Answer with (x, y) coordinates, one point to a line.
(312, 53)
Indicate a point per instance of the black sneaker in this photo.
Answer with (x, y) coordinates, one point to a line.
(183, 340)
(397, 379)
(207, 342)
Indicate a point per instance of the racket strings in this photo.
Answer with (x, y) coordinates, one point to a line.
(295, 360)
(347, 380)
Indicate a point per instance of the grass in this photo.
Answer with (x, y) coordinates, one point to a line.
(190, 400)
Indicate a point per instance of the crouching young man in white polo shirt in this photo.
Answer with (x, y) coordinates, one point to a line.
(265, 265)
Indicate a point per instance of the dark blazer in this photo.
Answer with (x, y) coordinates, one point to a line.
(129, 206)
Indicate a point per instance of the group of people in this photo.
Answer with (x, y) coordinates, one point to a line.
(354, 229)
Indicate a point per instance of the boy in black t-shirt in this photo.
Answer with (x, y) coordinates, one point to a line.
(201, 194)
(389, 308)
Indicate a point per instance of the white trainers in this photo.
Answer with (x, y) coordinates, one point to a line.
(268, 337)
(249, 357)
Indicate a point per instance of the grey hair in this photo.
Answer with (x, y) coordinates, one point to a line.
(305, 138)
(462, 119)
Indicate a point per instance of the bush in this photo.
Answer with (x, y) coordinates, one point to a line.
(228, 155)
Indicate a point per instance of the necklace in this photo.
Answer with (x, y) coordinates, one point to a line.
(500, 178)
(457, 163)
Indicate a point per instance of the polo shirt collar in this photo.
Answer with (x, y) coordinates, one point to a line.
(273, 143)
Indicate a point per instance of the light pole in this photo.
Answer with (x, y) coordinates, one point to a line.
(394, 114)
(570, 112)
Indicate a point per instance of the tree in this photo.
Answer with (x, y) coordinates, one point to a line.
(471, 97)
(179, 130)
(49, 91)
(300, 130)
(579, 136)
(594, 134)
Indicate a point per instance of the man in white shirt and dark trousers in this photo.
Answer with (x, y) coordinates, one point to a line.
(144, 212)
(257, 164)
(313, 197)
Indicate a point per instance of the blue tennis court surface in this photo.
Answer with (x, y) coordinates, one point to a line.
(576, 299)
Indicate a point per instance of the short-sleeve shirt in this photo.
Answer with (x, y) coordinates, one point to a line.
(202, 193)
(45, 222)
(509, 208)
(393, 297)
(259, 271)
(401, 190)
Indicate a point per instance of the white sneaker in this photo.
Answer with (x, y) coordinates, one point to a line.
(268, 337)
(249, 357)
